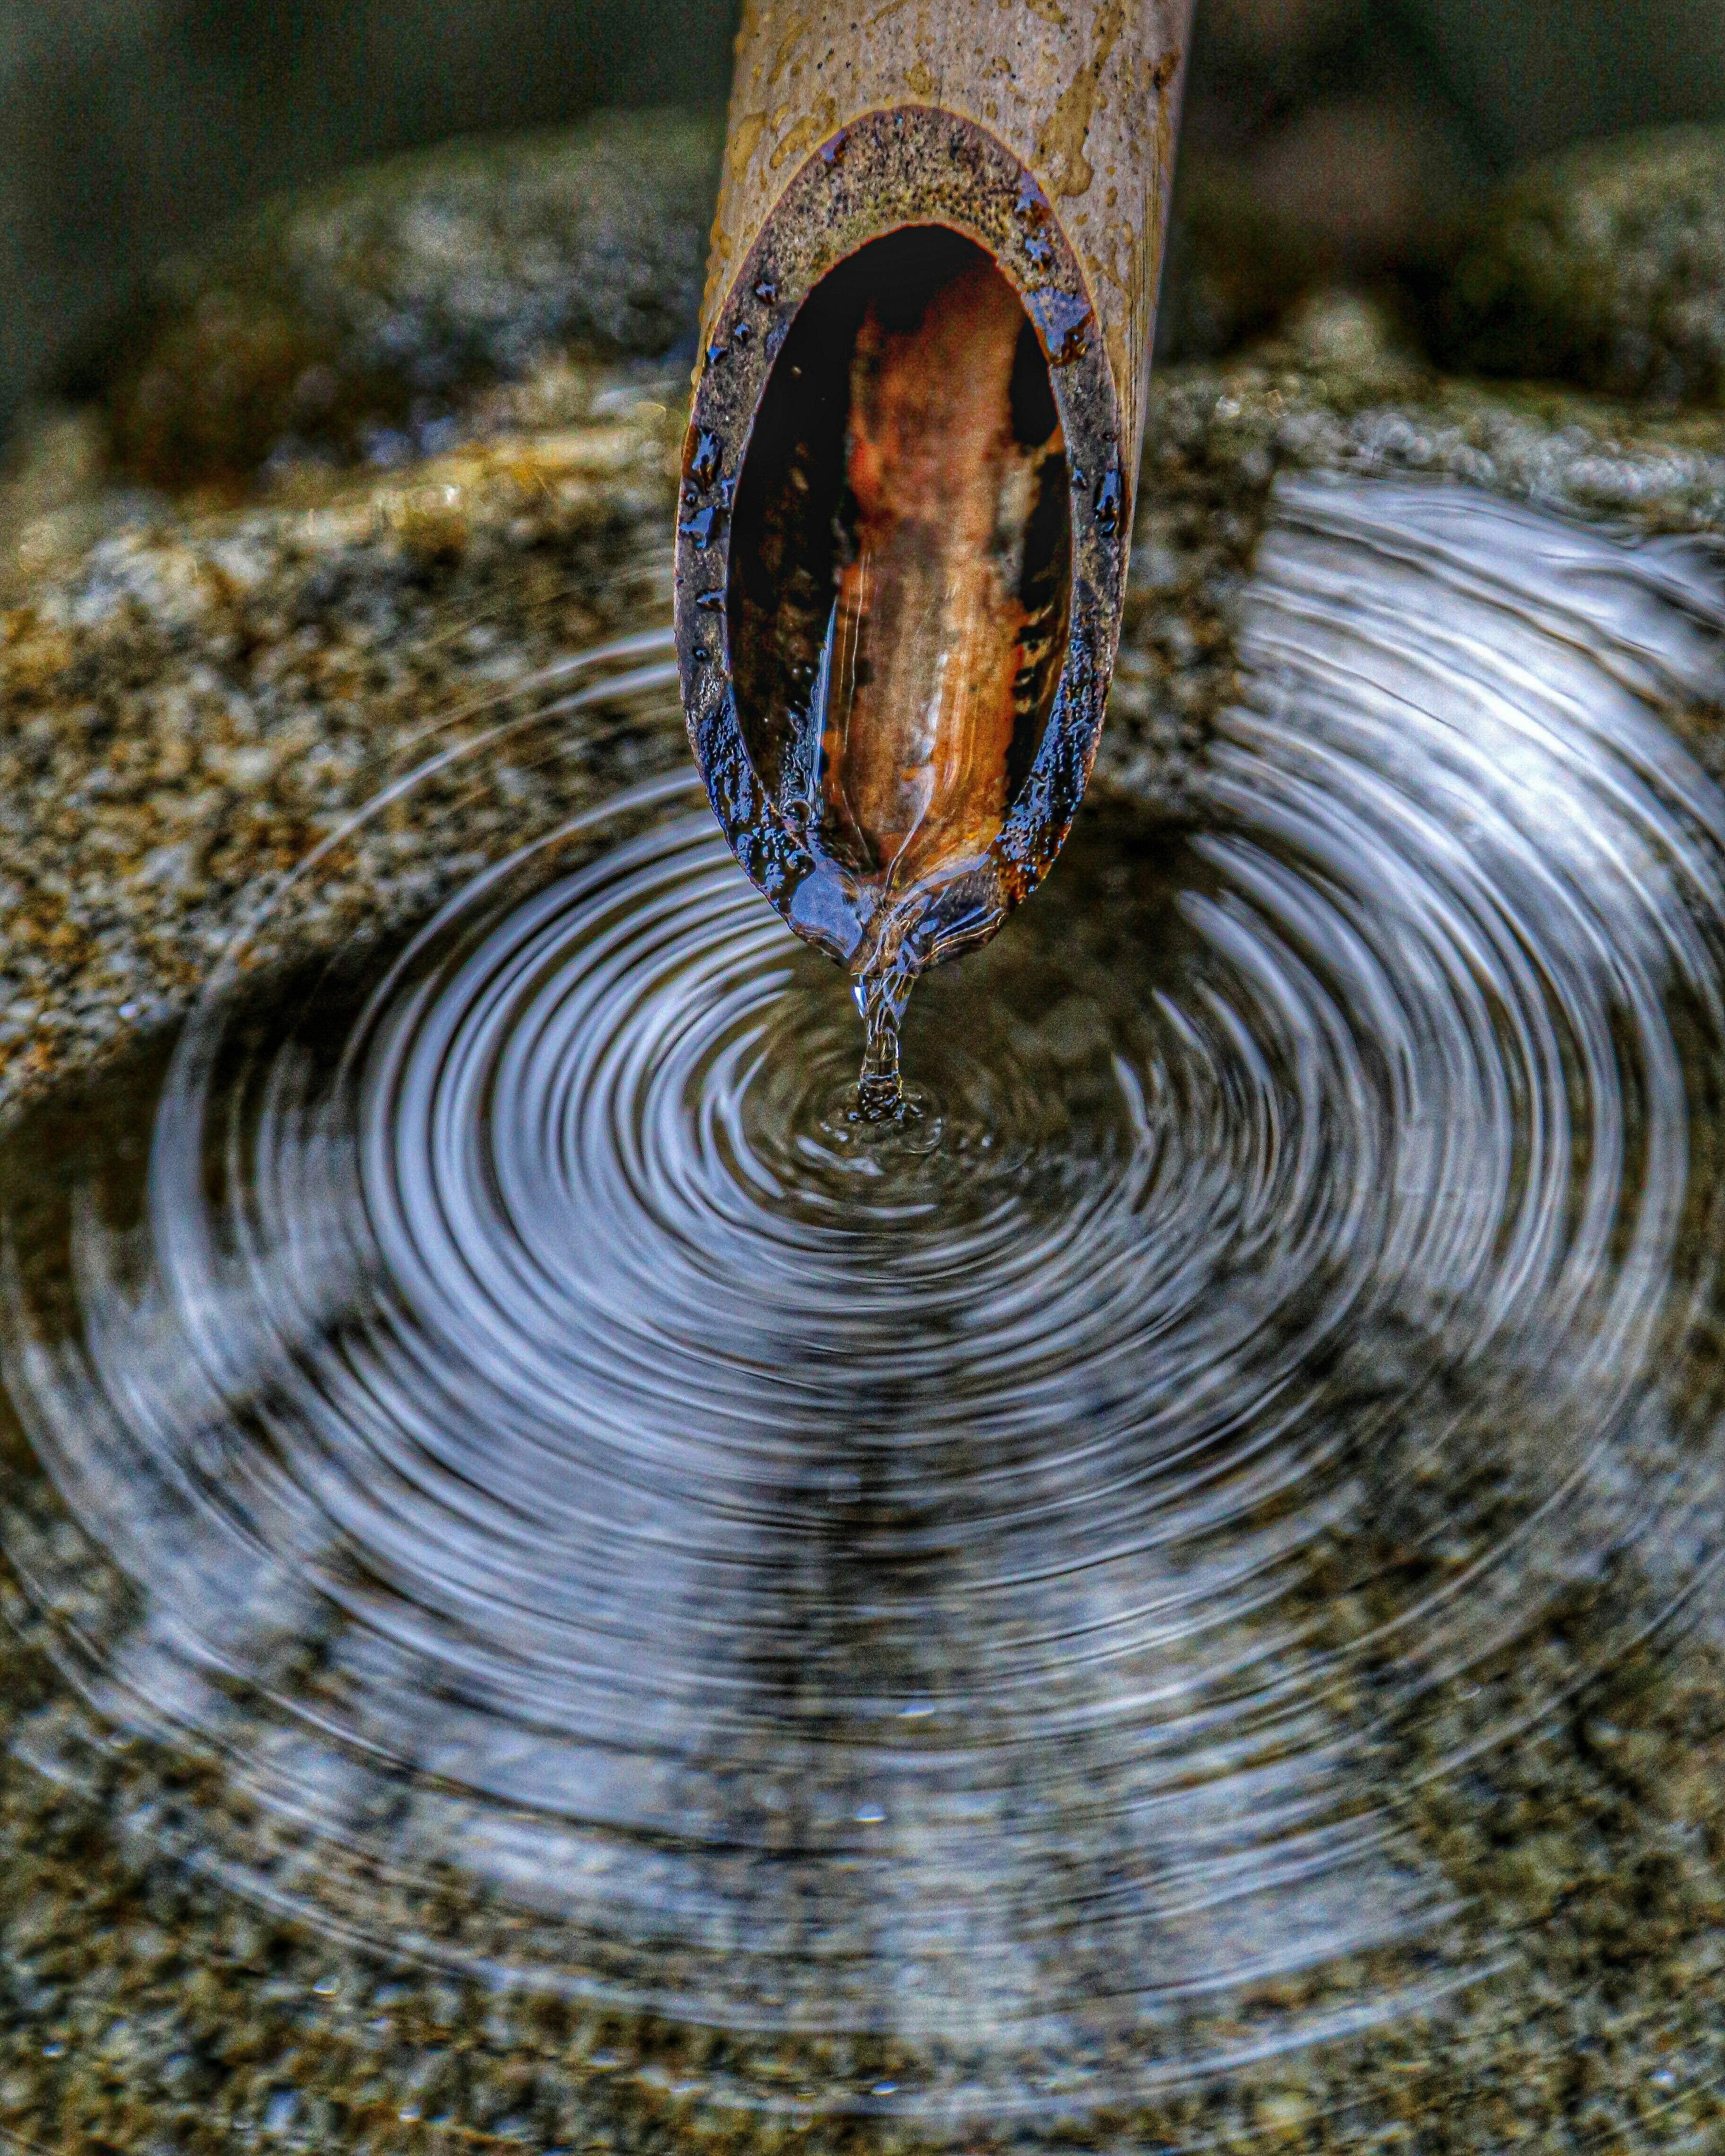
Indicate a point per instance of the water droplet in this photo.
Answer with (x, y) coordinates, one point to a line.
(706, 460)
(1032, 207)
(1063, 320)
(1035, 215)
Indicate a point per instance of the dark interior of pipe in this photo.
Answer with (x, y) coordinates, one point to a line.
(970, 525)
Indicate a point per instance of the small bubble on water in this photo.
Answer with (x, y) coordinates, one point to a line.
(280, 2111)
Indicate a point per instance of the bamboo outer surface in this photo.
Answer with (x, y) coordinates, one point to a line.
(1084, 94)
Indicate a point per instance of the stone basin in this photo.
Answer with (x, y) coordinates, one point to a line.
(196, 687)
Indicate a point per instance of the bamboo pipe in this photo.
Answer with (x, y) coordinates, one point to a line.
(900, 558)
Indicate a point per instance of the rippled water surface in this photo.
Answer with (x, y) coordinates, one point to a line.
(1001, 1592)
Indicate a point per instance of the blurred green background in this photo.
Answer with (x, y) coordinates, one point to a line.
(1323, 137)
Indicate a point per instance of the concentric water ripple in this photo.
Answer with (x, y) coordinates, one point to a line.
(992, 1592)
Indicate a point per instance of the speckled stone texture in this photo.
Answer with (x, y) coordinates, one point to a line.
(1606, 267)
(362, 320)
(191, 703)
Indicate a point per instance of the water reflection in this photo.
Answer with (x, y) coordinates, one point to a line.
(993, 1592)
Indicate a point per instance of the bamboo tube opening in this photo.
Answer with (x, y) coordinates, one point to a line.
(904, 521)
(900, 600)
(899, 269)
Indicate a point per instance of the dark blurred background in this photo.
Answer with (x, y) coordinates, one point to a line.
(1323, 136)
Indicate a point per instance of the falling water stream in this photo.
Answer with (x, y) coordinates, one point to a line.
(978, 1607)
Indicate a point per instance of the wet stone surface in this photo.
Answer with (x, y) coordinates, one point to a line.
(371, 319)
(191, 704)
(1603, 266)
(192, 698)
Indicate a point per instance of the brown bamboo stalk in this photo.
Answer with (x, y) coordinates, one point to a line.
(1043, 131)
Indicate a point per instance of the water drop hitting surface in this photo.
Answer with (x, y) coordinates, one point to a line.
(1003, 1611)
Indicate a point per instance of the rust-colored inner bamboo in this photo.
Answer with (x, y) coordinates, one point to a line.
(901, 560)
